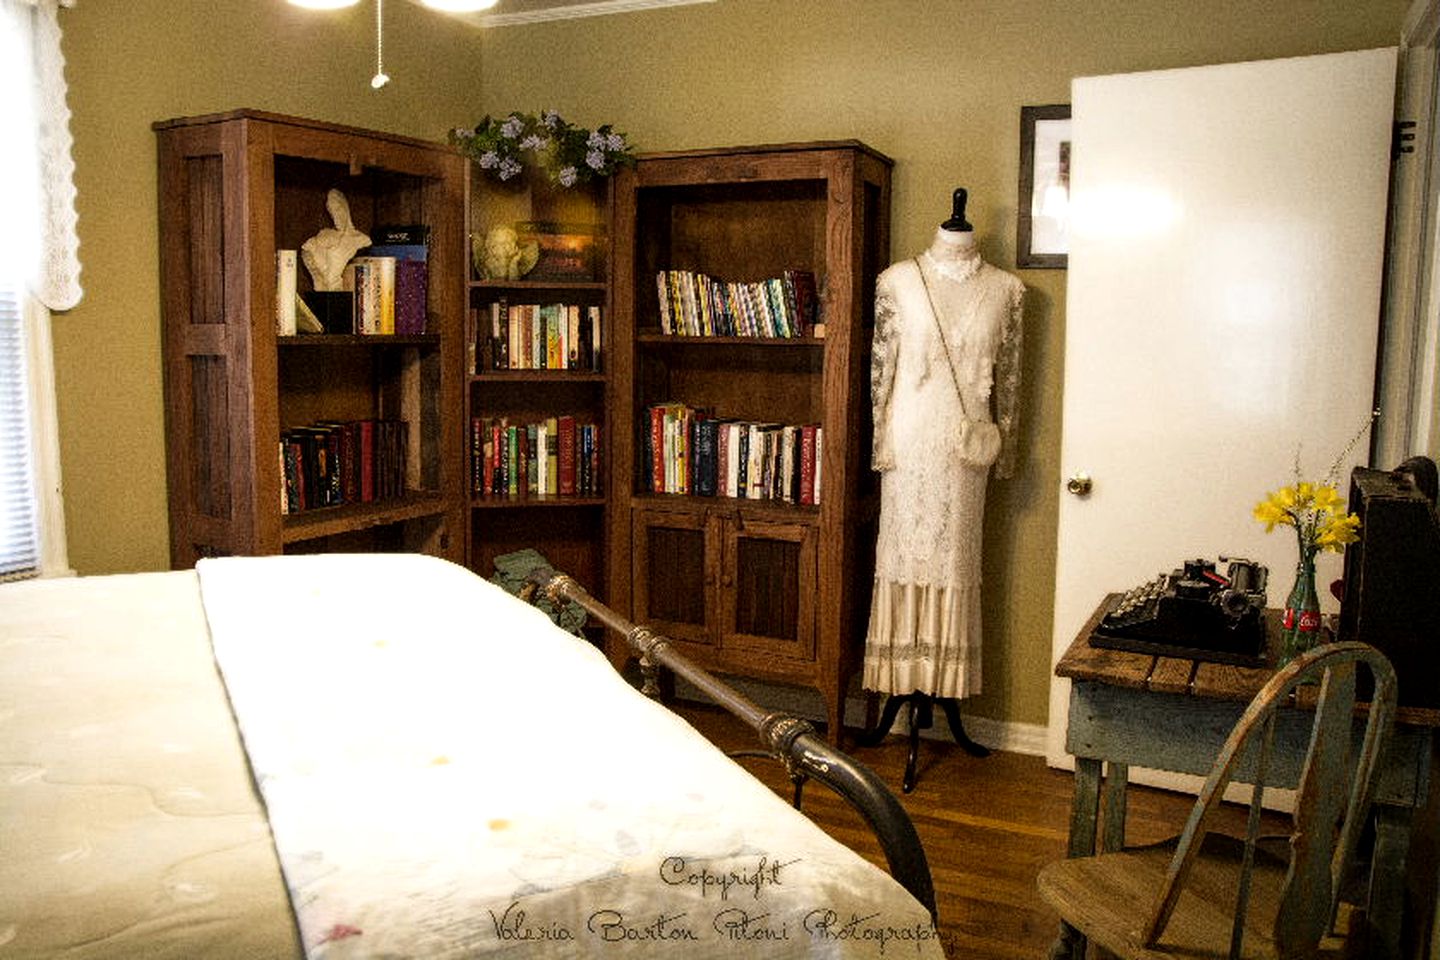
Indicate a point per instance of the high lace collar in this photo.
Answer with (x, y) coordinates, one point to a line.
(956, 263)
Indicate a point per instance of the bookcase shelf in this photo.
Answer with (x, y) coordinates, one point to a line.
(234, 189)
(535, 501)
(537, 376)
(575, 286)
(329, 521)
(755, 587)
(568, 529)
(658, 340)
(760, 508)
(377, 341)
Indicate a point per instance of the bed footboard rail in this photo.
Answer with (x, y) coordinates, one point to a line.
(790, 739)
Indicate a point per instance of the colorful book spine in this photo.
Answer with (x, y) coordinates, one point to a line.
(552, 456)
(565, 429)
(807, 463)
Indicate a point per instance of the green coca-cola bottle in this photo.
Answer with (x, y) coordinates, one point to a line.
(1300, 626)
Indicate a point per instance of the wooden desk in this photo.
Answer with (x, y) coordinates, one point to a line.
(1168, 713)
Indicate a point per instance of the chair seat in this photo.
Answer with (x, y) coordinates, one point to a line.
(1108, 898)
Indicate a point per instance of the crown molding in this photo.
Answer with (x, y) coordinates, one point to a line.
(575, 11)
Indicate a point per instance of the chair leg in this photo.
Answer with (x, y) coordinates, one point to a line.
(1387, 880)
(1068, 945)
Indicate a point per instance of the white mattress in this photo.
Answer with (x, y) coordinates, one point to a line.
(446, 774)
(128, 824)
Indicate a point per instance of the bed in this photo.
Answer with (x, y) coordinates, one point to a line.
(385, 756)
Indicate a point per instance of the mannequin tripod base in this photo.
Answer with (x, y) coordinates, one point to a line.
(920, 717)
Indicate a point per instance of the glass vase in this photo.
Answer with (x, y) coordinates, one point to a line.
(1300, 625)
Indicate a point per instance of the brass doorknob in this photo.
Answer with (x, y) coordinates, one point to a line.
(1080, 484)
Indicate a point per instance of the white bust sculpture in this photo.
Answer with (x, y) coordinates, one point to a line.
(503, 256)
(326, 253)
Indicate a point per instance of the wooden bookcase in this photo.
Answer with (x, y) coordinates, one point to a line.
(234, 188)
(569, 529)
(761, 588)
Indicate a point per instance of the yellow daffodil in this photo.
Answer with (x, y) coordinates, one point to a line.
(1327, 499)
(1270, 513)
(1316, 511)
(1337, 531)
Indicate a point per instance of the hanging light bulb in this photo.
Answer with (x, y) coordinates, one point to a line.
(381, 78)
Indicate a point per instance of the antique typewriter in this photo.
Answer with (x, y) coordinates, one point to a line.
(1194, 612)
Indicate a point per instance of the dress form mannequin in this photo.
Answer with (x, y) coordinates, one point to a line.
(947, 332)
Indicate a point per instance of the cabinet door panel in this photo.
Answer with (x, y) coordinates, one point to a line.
(674, 570)
(767, 589)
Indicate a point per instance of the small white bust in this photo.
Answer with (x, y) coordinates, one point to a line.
(326, 253)
(504, 257)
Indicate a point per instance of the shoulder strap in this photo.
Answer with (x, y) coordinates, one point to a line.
(940, 329)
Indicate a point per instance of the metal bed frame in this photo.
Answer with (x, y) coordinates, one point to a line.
(789, 739)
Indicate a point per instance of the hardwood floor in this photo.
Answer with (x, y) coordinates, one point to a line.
(987, 825)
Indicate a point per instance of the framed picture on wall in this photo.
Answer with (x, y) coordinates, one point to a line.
(1042, 224)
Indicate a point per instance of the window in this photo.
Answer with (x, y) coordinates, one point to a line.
(19, 514)
(38, 272)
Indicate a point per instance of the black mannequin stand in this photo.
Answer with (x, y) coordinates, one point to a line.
(920, 717)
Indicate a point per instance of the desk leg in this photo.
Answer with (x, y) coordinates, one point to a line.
(1084, 812)
(1085, 807)
(1387, 879)
(1117, 778)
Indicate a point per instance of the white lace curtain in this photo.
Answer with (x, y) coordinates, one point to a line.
(45, 181)
(39, 272)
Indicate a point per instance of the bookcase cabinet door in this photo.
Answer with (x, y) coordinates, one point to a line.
(676, 566)
(767, 589)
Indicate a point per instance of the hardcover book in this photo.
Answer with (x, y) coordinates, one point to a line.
(552, 456)
(566, 455)
(409, 234)
(286, 269)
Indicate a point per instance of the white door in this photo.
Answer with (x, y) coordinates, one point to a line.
(1226, 240)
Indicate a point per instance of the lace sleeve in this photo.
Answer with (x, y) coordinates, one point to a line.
(886, 348)
(1007, 385)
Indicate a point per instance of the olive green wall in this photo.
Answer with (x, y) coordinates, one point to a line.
(937, 85)
(128, 64)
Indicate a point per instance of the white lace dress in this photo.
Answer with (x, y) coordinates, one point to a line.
(925, 625)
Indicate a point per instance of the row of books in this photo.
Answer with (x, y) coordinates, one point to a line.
(542, 336)
(330, 463)
(557, 456)
(697, 305)
(384, 289)
(689, 451)
(388, 286)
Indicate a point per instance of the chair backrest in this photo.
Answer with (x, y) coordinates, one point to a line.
(1332, 795)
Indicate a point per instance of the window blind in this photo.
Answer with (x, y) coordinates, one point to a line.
(19, 523)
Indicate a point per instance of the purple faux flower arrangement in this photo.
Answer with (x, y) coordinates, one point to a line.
(564, 153)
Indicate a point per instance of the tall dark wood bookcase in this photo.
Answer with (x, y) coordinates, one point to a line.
(573, 225)
(234, 188)
(760, 588)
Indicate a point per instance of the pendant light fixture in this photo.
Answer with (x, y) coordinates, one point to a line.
(446, 6)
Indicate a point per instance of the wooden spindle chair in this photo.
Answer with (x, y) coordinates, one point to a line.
(1201, 896)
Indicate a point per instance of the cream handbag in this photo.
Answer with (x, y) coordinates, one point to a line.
(979, 439)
